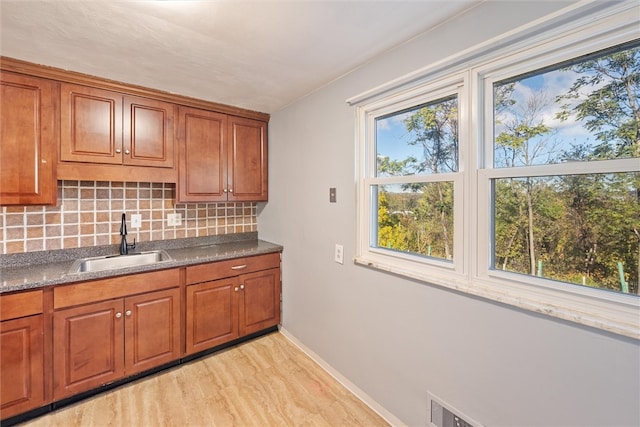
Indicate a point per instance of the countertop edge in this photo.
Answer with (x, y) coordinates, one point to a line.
(181, 258)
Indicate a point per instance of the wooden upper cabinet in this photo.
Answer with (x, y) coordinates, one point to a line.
(247, 160)
(28, 140)
(202, 175)
(105, 127)
(222, 158)
(148, 132)
(91, 125)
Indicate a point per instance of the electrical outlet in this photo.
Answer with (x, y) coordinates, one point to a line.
(339, 254)
(174, 219)
(136, 221)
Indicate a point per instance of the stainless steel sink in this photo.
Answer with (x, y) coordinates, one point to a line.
(112, 262)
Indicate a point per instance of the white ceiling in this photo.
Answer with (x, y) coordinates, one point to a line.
(260, 55)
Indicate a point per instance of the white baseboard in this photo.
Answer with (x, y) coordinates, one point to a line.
(364, 397)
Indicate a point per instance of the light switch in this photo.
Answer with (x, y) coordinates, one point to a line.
(332, 195)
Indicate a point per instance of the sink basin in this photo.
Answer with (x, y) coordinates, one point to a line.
(111, 262)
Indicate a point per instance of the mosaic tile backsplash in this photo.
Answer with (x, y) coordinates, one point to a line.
(88, 213)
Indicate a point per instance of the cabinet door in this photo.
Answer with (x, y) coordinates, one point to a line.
(203, 168)
(212, 317)
(21, 365)
(28, 140)
(247, 160)
(148, 132)
(259, 300)
(152, 330)
(88, 347)
(91, 125)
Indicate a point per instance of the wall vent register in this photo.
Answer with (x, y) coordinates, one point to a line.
(440, 414)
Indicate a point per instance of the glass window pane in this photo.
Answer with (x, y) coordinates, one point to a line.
(586, 109)
(582, 229)
(414, 218)
(419, 141)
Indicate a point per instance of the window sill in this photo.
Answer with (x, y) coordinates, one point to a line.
(617, 313)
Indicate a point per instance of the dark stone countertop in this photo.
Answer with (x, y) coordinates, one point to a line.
(33, 270)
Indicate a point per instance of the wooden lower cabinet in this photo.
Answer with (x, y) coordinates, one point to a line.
(220, 310)
(99, 343)
(212, 317)
(259, 301)
(152, 330)
(73, 338)
(21, 365)
(88, 347)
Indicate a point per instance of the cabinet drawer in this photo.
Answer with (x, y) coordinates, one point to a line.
(116, 287)
(21, 304)
(232, 267)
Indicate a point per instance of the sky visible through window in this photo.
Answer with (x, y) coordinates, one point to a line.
(392, 138)
(536, 103)
(537, 100)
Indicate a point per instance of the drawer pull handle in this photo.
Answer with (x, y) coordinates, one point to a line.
(239, 267)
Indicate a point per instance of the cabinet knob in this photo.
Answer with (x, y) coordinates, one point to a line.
(236, 289)
(127, 313)
(43, 161)
(224, 191)
(118, 315)
(231, 190)
(126, 151)
(118, 151)
(241, 286)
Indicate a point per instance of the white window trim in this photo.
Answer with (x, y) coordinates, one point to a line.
(411, 265)
(585, 26)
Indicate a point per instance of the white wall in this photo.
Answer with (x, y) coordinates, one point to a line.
(394, 338)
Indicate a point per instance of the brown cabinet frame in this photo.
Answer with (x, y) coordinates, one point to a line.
(29, 135)
(133, 323)
(244, 291)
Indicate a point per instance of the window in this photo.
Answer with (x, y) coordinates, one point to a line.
(583, 227)
(412, 177)
(515, 176)
(415, 216)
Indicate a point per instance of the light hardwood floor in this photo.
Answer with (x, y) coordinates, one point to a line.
(264, 382)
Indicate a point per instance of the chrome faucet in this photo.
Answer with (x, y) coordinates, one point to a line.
(124, 246)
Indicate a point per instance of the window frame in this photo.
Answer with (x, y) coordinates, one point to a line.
(577, 30)
(423, 94)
